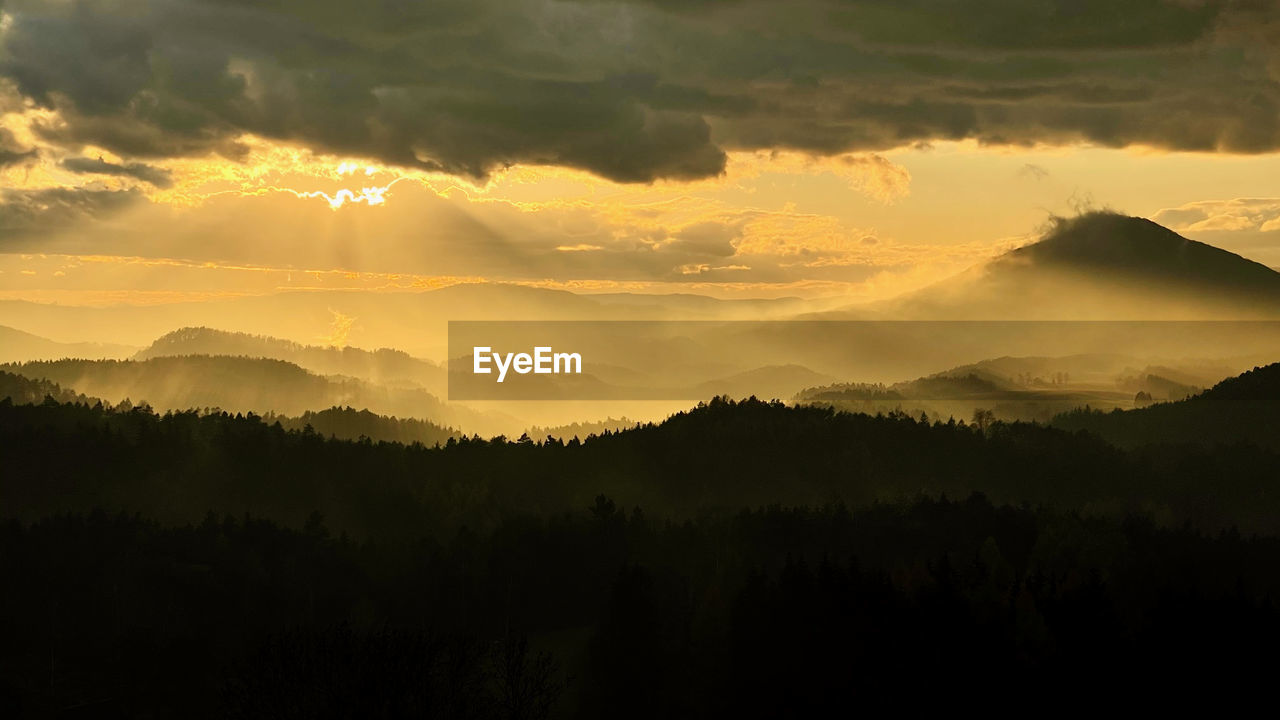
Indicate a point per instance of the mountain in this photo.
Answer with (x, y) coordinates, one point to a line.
(380, 366)
(691, 307)
(196, 553)
(1132, 374)
(244, 384)
(1012, 388)
(959, 397)
(19, 346)
(415, 322)
(722, 455)
(1037, 388)
(345, 423)
(1134, 247)
(1242, 409)
(20, 390)
(1103, 265)
(581, 430)
(773, 381)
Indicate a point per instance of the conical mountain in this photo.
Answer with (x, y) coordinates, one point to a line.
(1103, 266)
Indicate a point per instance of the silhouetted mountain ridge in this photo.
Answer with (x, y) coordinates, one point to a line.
(1261, 384)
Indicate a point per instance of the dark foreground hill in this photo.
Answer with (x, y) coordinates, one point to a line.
(613, 613)
(1242, 409)
(238, 569)
(719, 457)
(344, 423)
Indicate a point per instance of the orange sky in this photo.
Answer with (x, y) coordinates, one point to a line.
(863, 225)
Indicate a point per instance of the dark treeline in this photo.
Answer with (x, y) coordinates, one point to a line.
(26, 391)
(582, 429)
(721, 456)
(347, 423)
(788, 562)
(607, 612)
(233, 383)
(1237, 410)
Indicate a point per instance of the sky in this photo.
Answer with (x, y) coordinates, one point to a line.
(161, 150)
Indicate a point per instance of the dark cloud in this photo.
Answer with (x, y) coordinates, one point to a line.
(647, 89)
(1032, 24)
(11, 153)
(13, 157)
(28, 216)
(140, 171)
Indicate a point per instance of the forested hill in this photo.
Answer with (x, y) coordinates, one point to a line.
(382, 365)
(215, 565)
(239, 384)
(1242, 409)
(25, 391)
(719, 456)
(345, 423)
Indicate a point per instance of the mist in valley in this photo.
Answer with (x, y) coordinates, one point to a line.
(1103, 311)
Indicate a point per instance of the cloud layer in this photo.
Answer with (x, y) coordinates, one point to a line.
(642, 90)
(680, 240)
(139, 171)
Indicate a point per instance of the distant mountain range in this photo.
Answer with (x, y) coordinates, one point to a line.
(16, 346)
(772, 381)
(415, 322)
(1099, 266)
(1164, 380)
(381, 366)
(246, 384)
(1093, 267)
(344, 423)
(1029, 388)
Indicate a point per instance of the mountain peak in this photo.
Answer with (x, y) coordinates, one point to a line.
(1118, 244)
(1104, 266)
